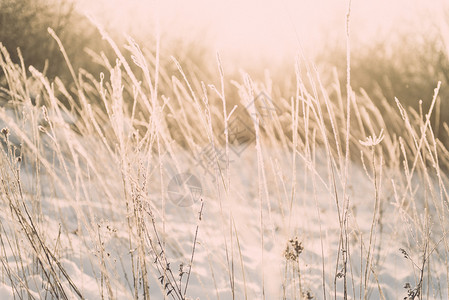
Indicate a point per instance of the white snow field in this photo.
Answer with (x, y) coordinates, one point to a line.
(153, 190)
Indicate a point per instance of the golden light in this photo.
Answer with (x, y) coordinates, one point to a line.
(249, 30)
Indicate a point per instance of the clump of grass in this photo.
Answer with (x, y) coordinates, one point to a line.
(26, 233)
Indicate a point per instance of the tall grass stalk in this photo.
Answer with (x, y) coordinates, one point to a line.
(103, 150)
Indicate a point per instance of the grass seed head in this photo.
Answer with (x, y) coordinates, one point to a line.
(293, 250)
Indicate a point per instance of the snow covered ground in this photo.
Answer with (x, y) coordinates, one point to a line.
(242, 235)
(94, 208)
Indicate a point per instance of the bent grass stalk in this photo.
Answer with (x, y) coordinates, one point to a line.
(139, 113)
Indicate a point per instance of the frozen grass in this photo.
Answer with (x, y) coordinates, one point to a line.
(317, 198)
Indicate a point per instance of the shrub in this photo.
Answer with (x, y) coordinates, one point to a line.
(406, 65)
(24, 23)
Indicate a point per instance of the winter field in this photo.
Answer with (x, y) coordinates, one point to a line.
(153, 181)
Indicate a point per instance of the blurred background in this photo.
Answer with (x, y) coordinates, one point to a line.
(272, 30)
(399, 48)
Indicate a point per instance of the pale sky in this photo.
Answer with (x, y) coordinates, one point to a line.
(252, 29)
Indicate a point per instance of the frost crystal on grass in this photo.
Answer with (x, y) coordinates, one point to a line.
(373, 140)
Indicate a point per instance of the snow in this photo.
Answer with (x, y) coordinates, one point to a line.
(6, 292)
(243, 232)
(232, 221)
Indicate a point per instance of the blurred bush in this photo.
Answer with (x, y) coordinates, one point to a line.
(406, 64)
(24, 23)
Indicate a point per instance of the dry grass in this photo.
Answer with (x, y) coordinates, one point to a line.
(110, 161)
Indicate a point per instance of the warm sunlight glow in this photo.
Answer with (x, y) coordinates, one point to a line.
(254, 29)
(232, 149)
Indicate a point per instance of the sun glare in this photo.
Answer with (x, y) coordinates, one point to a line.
(233, 149)
(248, 30)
